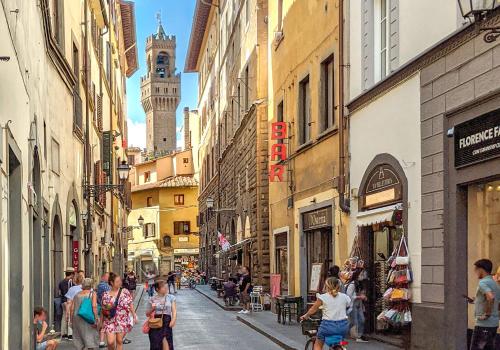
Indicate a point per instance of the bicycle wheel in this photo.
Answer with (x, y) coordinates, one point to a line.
(310, 344)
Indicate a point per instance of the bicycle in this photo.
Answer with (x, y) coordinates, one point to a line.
(310, 329)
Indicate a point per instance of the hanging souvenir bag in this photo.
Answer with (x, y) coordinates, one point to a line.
(388, 293)
(403, 259)
(398, 294)
(407, 316)
(401, 277)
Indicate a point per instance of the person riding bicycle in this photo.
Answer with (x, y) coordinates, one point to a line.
(334, 305)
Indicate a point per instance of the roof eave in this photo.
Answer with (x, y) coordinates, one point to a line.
(198, 28)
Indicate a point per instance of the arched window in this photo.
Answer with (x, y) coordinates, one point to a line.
(163, 64)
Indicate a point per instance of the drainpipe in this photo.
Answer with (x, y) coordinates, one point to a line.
(343, 202)
(88, 169)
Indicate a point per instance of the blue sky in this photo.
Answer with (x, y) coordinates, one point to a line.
(177, 17)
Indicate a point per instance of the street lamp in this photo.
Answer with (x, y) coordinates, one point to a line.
(123, 170)
(210, 202)
(478, 10)
(140, 220)
(97, 190)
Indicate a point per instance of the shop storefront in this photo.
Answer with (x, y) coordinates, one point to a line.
(474, 199)
(381, 223)
(186, 259)
(317, 246)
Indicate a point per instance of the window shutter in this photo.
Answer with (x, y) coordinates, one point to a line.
(394, 35)
(99, 113)
(367, 44)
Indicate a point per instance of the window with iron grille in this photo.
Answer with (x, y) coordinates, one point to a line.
(167, 241)
(182, 228)
(149, 230)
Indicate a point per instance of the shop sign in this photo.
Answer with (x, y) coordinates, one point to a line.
(317, 219)
(278, 151)
(477, 140)
(76, 255)
(382, 188)
(187, 251)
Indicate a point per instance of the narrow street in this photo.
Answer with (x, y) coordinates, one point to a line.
(200, 325)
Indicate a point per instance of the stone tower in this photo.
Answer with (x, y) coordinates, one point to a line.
(160, 92)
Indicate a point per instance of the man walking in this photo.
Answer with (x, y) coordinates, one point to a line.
(486, 307)
(245, 290)
(64, 286)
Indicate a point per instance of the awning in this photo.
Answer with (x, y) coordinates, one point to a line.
(376, 216)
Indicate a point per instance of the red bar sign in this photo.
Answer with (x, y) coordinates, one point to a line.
(278, 151)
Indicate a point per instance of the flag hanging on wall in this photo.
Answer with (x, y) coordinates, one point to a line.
(223, 242)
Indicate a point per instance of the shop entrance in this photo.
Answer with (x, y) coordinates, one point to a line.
(377, 244)
(483, 234)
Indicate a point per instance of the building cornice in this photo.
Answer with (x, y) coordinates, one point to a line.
(200, 21)
(434, 53)
(55, 54)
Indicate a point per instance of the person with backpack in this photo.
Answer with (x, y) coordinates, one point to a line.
(117, 306)
(84, 304)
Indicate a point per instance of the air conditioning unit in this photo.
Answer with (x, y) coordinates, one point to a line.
(278, 36)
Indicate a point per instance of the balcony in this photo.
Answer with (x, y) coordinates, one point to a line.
(77, 115)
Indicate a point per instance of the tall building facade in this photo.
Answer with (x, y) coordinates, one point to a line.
(228, 49)
(160, 92)
(63, 117)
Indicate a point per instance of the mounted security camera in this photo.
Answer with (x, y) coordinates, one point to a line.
(450, 132)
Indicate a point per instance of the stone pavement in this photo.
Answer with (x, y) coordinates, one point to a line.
(200, 325)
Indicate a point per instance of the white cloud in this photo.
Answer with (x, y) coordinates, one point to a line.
(136, 134)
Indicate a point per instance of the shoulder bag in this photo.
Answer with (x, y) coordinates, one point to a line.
(86, 310)
(155, 323)
(112, 312)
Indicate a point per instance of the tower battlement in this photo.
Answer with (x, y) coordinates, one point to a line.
(160, 92)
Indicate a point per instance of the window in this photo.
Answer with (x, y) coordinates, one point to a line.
(304, 111)
(179, 199)
(281, 256)
(149, 230)
(382, 32)
(182, 228)
(58, 21)
(280, 15)
(167, 241)
(185, 160)
(246, 88)
(279, 116)
(44, 140)
(55, 156)
(149, 201)
(147, 176)
(327, 94)
(131, 160)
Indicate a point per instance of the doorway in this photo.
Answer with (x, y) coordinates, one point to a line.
(15, 253)
(377, 244)
(319, 249)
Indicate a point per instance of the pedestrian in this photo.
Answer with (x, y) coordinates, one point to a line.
(162, 305)
(85, 335)
(171, 281)
(497, 276)
(245, 290)
(334, 271)
(117, 306)
(40, 324)
(334, 305)
(357, 315)
(132, 283)
(64, 286)
(178, 279)
(486, 307)
(230, 292)
(150, 278)
(102, 288)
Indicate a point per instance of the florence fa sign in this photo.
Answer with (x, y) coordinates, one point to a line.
(278, 151)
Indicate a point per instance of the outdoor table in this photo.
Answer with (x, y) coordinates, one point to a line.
(284, 306)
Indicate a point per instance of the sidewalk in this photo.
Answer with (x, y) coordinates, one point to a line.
(212, 295)
(290, 336)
